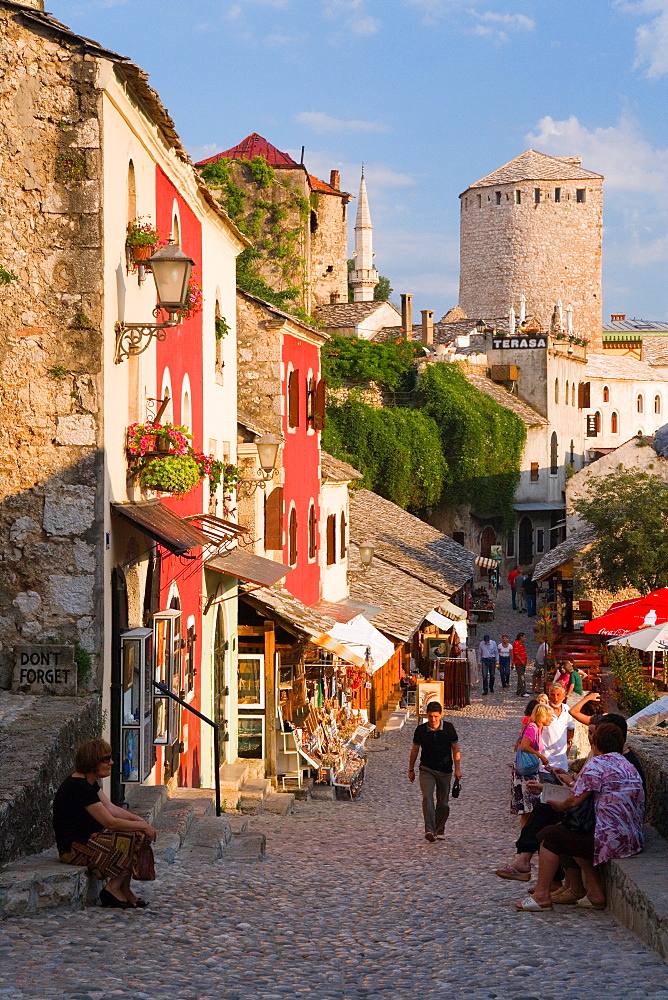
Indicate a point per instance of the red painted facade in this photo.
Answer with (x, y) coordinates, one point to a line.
(301, 463)
(181, 353)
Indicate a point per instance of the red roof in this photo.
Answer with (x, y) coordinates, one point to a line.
(318, 185)
(253, 145)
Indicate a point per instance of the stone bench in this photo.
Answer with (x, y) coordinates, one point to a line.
(637, 891)
(41, 882)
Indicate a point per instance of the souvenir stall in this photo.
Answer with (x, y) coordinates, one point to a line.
(445, 647)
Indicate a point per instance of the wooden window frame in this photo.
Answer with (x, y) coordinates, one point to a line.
(330, 534)
(293, 399)
(293, 528)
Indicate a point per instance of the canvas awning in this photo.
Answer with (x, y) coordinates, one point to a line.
(485, 562)
(248, 567)
(452, 611)
(355, 638)
(445, 624)
(161, 524)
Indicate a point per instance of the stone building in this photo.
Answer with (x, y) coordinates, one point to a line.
(534, 228)
(305, 215)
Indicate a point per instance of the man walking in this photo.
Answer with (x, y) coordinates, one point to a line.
(520, 663)
(488, 657)
(437, 743)
(519, 591)
(531, 591)
(505, 651)
(512, 576)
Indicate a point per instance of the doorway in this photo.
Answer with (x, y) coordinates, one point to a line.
(525, 541)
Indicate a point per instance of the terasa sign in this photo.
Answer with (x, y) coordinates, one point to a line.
(518, 343)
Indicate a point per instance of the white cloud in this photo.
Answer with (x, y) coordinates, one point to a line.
(379, 176)
(652, 37)
(321, 122)
(353, 16)
(637, 216)
(497, 26)
(199, 153)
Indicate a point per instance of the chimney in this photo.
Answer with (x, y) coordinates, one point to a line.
(428, 327)
(618, 317)
(407, 313)
(334, 179)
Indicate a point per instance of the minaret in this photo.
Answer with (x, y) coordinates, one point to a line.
(365, 276)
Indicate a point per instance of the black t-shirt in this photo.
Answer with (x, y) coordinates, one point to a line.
(71, 821)
(632, 759)
(436, 745)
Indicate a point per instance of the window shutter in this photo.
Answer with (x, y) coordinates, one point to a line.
(292, 538)
(319, 407)
(312, 532)
(586, 394)
(273, 519)
(344, 536)
(580, 395)
(331, 539)
(293, 398)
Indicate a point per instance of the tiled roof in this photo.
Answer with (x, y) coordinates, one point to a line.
(253, 145)
(445, 333)
(635, 326)
(532, 165)
(337, 470)
(325, 188)
(563, 553)
(312, 331)
(408, 543)
(344, 314)
(610, 366)
(308, 621)
(250, 424)
(501, 395)
(655, 350)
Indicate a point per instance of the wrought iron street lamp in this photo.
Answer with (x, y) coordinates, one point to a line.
(366, 553)
(268, 446)
(171, 270)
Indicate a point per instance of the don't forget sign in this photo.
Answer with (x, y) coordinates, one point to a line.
(44, 669)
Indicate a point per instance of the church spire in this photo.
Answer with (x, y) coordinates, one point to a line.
(365, 277)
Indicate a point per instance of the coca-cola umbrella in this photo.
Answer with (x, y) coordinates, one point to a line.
(629, 616)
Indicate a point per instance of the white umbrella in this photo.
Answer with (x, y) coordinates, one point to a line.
(650, 716)
(648, 639)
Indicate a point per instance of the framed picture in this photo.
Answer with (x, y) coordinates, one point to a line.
(251, 680)
(160, 720)
(251, 737)
(438, 647)
(428, 691)
(285, 677)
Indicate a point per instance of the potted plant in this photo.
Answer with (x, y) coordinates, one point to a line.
(177, 474)
(161, 458)
(149, 438)
(141, 238)
(194, 300)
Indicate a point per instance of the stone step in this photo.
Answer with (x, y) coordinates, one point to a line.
(207, 839)
(146, 801)
(637, 892)
(246, 847)
(232, 776)
(238, 823)
(397, 720)
(253, 786)
(251, 804)
(203, 799)
(256, 769)
(42, 882)
(279, 803)
(172, 825)
(229, 799)
(323, 793)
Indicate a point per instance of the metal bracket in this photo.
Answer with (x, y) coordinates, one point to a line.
(134, 338)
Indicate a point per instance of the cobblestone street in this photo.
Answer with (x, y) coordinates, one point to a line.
(351, 902)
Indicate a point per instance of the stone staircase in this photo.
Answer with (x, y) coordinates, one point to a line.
(188, 829)
(244, 784)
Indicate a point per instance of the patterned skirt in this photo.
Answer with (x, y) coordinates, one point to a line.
(106, 854)
(522, 800)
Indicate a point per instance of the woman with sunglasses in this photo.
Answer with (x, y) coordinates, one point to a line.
(92, 831)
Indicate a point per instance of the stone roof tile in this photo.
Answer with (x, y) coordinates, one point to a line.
(655, 350)
(563, 553)
(502, 396)
(532, 165)
(335, 469)
(344, 314)
(613, 366)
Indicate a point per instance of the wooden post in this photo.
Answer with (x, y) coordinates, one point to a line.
(270, 699)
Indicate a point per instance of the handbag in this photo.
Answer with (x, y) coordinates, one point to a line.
(145, 871)
(581, 818)
(526, 763)
(456, 788)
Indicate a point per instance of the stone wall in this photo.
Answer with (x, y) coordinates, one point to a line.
(653, 753)
(328, 257)
(37, 753)
(546, 251)
(260, 391)
(50, 343)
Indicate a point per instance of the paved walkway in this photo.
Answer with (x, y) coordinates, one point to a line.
(351, 902)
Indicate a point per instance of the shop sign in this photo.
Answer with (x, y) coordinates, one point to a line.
(42, 669)
(521, 343)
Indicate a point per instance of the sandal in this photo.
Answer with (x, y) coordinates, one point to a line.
(586, 904)
(513, 874)
(529, 905)
(565, 896)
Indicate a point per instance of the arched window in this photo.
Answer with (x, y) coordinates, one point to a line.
(292, 537)
(176, 230)
(554, 456)
(606, 394)
(598, 421)
(614, 423)
(640, 433)
(525, 533)
(331, 539)
(312, 531)
(572, 450)
(556, 390)
(186, 404)
(640, 403)
(220, 331)
(566, 396)
(487, 539)
(168, 415)
(573, 394)
(343, 535)
(657, 404)
(132, 193)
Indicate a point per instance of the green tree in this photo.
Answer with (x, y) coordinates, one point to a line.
(629, 513)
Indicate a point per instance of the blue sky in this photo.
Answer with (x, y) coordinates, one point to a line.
(430, 95)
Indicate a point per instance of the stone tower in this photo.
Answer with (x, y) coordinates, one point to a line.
(365, 276)
(533, 228)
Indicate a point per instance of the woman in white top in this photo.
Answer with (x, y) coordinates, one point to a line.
(505, 649)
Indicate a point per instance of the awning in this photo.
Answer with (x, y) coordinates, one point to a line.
(486, 562)
(161, 524)
(356, 637)
(452, 611)
(540, 505)
(339, 649)
(445, 624)
(338, 611)
(248, 567)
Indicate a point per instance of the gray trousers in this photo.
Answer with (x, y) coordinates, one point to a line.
(521, 683)
(439, 782)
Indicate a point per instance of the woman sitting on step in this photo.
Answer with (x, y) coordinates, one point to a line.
(91, 831)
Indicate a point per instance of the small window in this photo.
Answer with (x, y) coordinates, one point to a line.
(292, 537)
(640, 404)
(518, 197)
(573, 395)
(556, 390)
(572, 450)
(557, 195)
(479, 200)
(510, 545)
(580, 195)
(312, 531)
(640, 432)
(220, 330)
(343, 536)
(132, 193)
(535, 472)
(293, 398)
(497, 197)
(597, 417)
(567, 393)
(314, 222)
(536, 195)
(554, 454)
(331, 539)
(176, 230)
(657, 404)
(606, 394)
(273, 519)
(540, 540)
(310, 401)
(614, 423)
(459, 537)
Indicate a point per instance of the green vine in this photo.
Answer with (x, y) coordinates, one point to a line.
(6, 276)
(391, 364)
(222, 327)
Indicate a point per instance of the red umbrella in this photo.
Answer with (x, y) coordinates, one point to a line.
(629, 616)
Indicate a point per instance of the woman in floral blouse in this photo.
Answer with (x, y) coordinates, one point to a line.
(619, 806)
